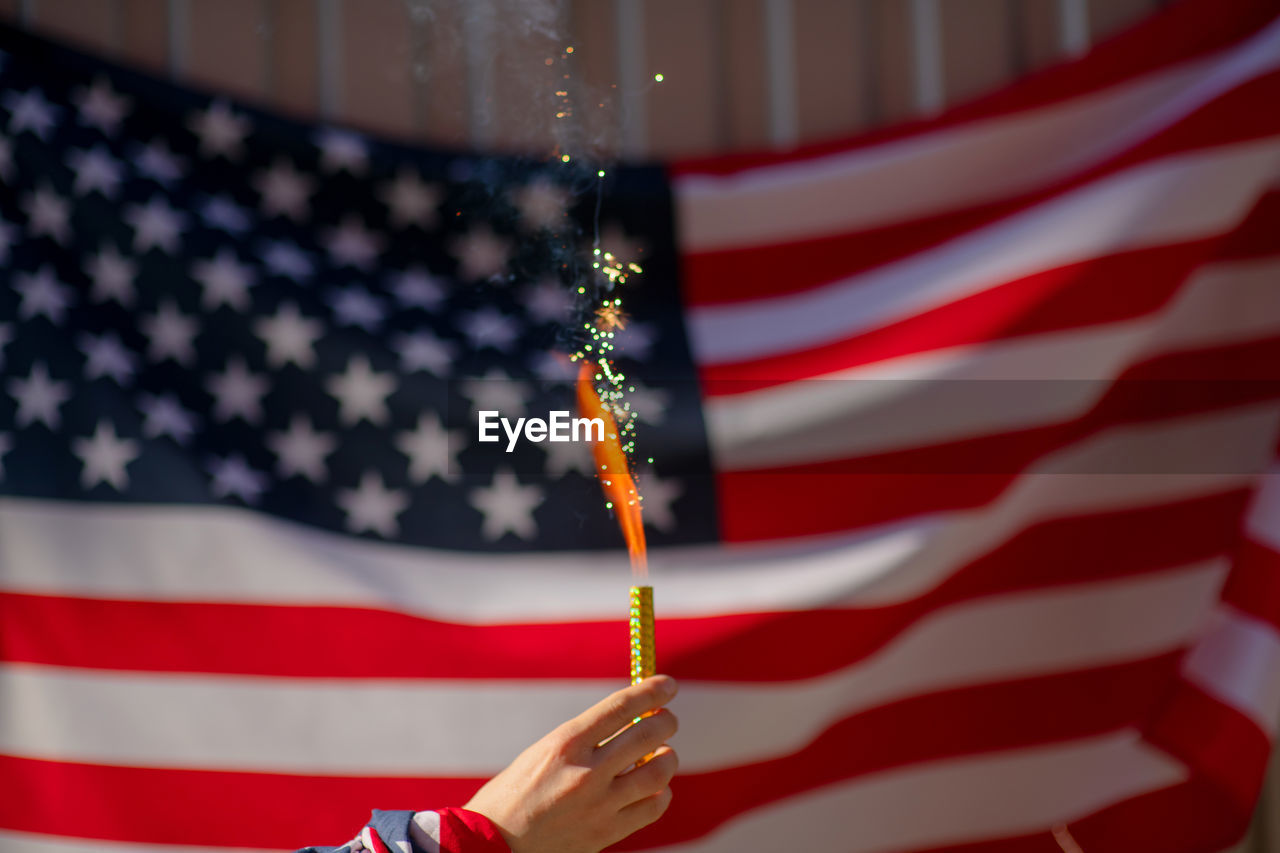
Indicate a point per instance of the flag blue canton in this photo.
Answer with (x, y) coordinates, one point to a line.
(204, 303)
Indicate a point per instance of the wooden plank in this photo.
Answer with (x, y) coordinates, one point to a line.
(1038, 31)
(292, 62)
(1108, 17)
(227, 46)
(593, 73)
(890, 51)
(978, 52)
(523, 87)
(376, 51)
(742, 82)
(144, 33)
(440, 93)
(833, 74)
(682, 109)
(93, 26)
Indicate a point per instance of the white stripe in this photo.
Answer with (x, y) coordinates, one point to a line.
(12, 841)
(232, 555)
(1263, 522)
(959, 392)
(385, 726)
(1169, 201)
(1237, 661)
(952, 168)
(950, 802)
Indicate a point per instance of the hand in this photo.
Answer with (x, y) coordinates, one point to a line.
(578, 790)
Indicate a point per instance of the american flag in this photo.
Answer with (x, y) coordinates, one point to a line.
(965, 536)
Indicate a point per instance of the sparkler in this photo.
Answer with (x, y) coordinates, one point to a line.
(620, 489)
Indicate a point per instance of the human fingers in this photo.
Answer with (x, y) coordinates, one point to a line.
(636, 742)
(647, 779)
(641, 813)
(617, 709)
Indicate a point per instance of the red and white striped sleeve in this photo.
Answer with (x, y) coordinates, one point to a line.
(447, 830)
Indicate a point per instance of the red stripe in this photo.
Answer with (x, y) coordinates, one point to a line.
(1190, 29)
(270, 810)
(1184, 818)
(841, 495)
(745, 647)
(1223, 745)
(1254, 584)
(745, 273)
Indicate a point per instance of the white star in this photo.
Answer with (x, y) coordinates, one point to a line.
(39, 398)
(8, 236)
(423, 351)
(353, 245)
(496, 391)
(165, 416)
(649, 404)
(301, 451)
(566, 456)
(626, 249)
(548, 301)
(221, 131)
(481, 254)
(489, 327)
(42, 293)
(155, 225)
(355, 306)
(552, 366)
(112, 275)
(287, 260)
(223, 214)
(635, 340)
(157, 162)
(289, 337)
(106, 356)
(342, 150)
(431, 449)
(361, 393)
(6, 444)
(411, 201)
(417, 288)
(29, 111)
(171, 334)
(105, 457)
(101, 107)
(285, 190)
(48, 214)
(373, 506)
(658, 496)
(226, 281)
(507, 507)
(542, 204)
(232, 476)
(237, 393)
(96, 171)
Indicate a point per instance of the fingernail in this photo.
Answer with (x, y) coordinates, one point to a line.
(666, 686)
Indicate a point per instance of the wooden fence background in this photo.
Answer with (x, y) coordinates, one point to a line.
(738, 74)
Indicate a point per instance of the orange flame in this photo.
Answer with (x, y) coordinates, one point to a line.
(613, 471)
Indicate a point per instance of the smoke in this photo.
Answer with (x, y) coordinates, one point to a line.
(521, 74)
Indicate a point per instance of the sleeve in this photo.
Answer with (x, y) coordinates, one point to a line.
(440, 831)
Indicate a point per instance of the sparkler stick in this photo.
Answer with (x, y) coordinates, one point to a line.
(642, 658)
